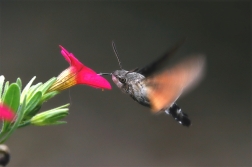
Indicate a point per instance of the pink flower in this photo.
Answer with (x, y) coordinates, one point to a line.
(77, 73)
(6, 114)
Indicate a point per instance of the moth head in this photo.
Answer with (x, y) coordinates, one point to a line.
(119, 78)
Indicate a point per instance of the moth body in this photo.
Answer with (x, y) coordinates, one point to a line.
(134, 84)
(157, 89)
(131, 83)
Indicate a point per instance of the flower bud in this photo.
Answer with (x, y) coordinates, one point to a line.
(50, 117)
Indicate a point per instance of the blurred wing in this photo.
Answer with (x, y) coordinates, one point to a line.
(158, 64)
(164, 88)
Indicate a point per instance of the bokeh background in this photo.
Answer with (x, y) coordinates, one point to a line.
(107, 128)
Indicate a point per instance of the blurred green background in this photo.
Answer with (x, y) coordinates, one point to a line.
(107, 128)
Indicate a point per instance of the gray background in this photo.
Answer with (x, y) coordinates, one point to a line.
(107, 128)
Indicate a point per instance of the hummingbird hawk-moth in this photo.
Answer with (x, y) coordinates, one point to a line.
(157, 89)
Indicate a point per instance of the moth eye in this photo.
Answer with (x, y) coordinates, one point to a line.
(122, 80)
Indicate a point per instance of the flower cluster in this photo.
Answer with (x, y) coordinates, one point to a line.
(20, 107)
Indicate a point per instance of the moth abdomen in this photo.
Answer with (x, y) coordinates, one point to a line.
(178, 115)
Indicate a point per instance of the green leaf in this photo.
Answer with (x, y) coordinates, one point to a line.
(19, 82)
(12, 100)
(47, 85)
(6, 86)
(20, 114)
(33, 103)
(48, 96)
(26, 89)
(33, 89)
(12, 97)
(32, 113)
(63, 106)
(1, 85)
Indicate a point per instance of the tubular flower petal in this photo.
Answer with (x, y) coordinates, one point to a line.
(6, 113)
(77, 73)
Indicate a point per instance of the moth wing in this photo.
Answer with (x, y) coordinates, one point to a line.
(163, 89)
(156, 65)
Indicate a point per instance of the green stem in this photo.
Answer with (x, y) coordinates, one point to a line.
(24, 124)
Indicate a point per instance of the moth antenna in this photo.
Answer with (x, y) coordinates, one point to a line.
(117, 55)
